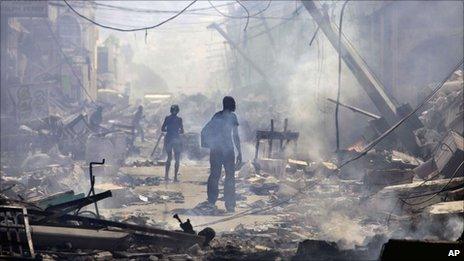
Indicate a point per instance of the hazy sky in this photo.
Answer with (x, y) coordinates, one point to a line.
(183, 51)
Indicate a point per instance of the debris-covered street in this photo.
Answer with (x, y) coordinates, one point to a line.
(232, 130)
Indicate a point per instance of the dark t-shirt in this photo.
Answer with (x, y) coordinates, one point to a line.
(96, 118)
(137, 117)
(229, 120)
(173, 127)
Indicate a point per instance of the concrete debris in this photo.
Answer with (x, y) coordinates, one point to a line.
(292, 197)
(382, 178)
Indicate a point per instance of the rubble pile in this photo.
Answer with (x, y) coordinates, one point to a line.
(312, 209)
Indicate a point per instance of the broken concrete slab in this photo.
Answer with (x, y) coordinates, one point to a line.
(414, 194)
(426, 169)
(418, 187)
(446, 208)
(450, 154)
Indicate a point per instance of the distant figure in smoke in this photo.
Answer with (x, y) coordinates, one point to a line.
(220, 135)
(138, 116)
(96, 119)
(173, 127)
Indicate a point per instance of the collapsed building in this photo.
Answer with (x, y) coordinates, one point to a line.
(394, 182)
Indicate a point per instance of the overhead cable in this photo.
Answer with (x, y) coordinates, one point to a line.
(337, 105)
(129, 30)
(132, 9)
(240, 17)
(248, 13)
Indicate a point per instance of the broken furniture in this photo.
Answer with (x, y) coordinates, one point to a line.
(92, 183)
(15, 233)
(76, 130)
(284, 137)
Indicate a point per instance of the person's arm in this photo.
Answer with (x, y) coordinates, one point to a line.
(163, 128)
(181, 129)
(237, 143)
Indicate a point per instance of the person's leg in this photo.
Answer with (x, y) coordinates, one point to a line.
(177, 150)
(168, 147)
(229, 182)
(142, 134)
(214, 176)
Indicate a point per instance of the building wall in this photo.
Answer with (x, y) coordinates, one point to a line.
(32, 54)
(410, 45)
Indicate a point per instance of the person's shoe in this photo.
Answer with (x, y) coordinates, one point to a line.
(166, 179)
(230, 210)
(176, 180)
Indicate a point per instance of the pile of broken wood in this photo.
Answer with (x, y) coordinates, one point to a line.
(54, 225)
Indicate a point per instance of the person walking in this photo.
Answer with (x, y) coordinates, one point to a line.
(220, 135)
(173, 127)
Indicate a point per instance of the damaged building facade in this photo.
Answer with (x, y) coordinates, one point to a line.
(350, 116)
(48, 61)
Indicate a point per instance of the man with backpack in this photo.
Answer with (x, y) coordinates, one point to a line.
(220, 135)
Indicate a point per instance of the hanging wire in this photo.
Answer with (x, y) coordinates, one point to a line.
(337, 131)
(129, 30)
(240, 17)
(140, 10)
(434, 194)
(371, 145)
(248, 14)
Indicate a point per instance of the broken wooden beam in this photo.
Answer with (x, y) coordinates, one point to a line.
(79, 203)
(55, 199)
(450, 154)
(355, 109)
(388, 177)
(276, 135)
(446, 208)
(192, 239)
(79, 238)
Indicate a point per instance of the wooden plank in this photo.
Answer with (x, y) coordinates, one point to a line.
(275, 135)
(446, 208)
(78, 238)
(108, 223)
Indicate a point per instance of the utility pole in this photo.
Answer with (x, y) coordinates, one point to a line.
(240, 51)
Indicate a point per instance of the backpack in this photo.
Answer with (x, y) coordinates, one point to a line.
(211, 133)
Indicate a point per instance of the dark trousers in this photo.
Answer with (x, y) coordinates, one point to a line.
(171, 146)
(217, 159)
(139, 131)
